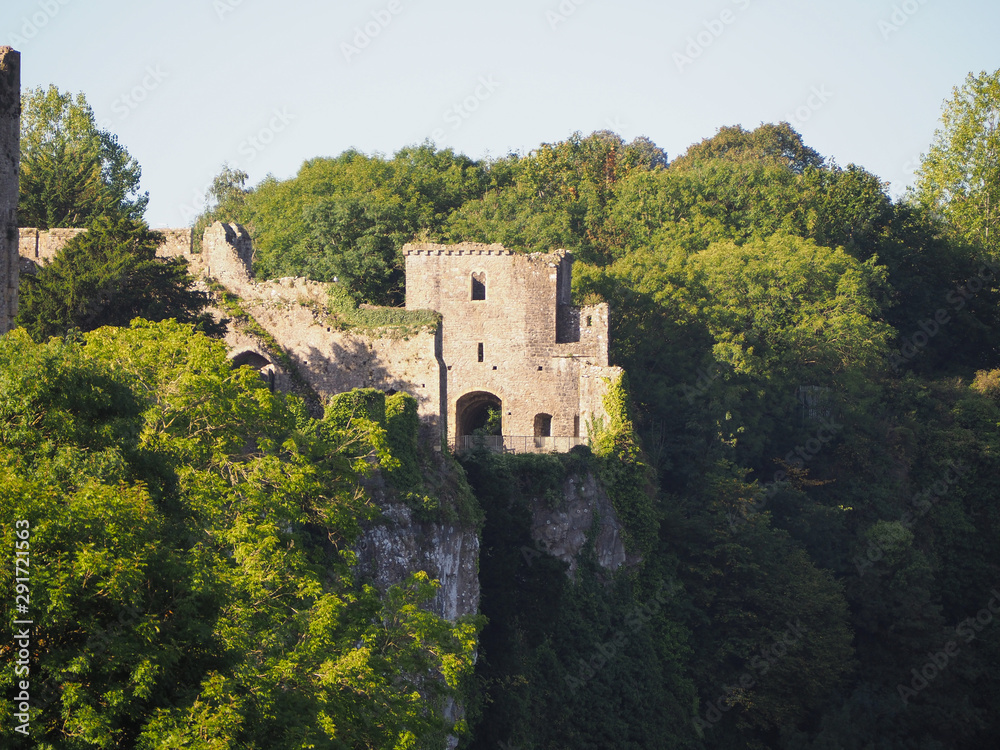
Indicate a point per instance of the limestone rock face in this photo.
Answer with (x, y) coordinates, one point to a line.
(562, 532)
(398, 545)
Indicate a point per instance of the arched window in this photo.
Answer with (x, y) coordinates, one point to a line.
(543, 425)
(479, 286)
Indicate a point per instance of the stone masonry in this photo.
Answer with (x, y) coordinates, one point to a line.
(10, 158)
(511, 340)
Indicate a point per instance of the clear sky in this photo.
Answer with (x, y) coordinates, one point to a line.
(190, 84)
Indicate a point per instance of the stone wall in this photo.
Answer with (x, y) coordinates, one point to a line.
(176, 243)
(41, 245)
(333, 361)
(10, 158)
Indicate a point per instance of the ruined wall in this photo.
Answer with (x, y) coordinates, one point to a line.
(509, 331)
(10, 157)
(522, 342)
(41, 245)
(227, 256)
(594, 381)
(176, 243)
(334, 361)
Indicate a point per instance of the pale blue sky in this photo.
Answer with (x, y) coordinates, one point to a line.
(263, 85)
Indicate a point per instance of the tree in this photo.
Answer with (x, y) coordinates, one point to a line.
(196, 586)
(72, 172)
(960, 176)
(779, 143)
(108, 276)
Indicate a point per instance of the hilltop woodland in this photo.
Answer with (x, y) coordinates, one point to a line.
(805, 456)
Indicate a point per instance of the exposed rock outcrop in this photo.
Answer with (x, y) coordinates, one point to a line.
(585, 511)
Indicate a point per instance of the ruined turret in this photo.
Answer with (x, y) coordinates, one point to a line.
(10, 157)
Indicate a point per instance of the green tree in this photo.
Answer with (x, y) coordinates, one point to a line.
(72, 171)
(189, 529)
(559, 195)
(108, 276)
(960, 176)
(779, 143)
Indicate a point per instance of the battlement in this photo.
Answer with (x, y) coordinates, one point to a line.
(465, 248)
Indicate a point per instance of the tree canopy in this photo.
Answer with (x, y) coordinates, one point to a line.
(189, 573)
(72, 171)
(959, 177)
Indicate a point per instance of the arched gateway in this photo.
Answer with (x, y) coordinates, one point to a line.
(472, 412)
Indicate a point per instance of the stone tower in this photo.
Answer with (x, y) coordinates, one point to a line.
(10, 157)
(512, 342)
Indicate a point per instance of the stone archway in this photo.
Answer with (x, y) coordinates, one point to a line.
(472, 411)
(252, 358)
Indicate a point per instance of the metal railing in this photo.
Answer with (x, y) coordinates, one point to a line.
(518, 443)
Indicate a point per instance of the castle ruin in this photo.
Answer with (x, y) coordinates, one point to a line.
(10, 158)
(508, 340)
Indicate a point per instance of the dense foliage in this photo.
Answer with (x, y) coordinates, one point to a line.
(960, 175)
(804, 458)
(191, 576)
(813, 374)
